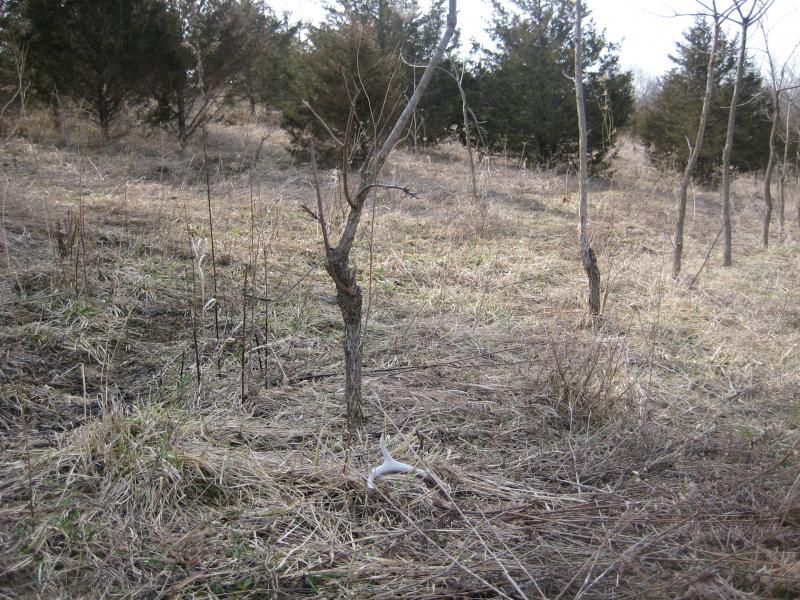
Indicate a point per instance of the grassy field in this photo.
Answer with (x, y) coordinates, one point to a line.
(168, 432)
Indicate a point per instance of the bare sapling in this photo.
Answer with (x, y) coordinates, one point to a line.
(197, 256)
(458, 78)
(206, 169)
(746, 18)
(773, 138)
(348, 293)
(211, 232)
(785, 165)
(777, 89)
(244, 334)
(588, 257)
(694, 154)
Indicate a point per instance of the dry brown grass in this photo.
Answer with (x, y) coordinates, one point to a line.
(654, 456)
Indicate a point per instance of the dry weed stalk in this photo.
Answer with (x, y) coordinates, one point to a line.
(23, 414)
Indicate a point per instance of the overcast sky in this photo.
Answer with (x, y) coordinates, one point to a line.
(645, 29)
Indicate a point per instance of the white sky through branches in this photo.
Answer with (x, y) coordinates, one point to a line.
(646, 30)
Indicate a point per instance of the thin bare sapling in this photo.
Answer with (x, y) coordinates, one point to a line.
(349, 295)
(694, 154)
(747, 16)
(588, 257)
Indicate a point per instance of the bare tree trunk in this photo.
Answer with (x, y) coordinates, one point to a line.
(467, 134)
(587, 254)
(784, 168)
(350, 303)
(103, 116)
(726, 153)
(181, 110)
(797, 184)
(695, 152)
(348, 293)
(773, 134)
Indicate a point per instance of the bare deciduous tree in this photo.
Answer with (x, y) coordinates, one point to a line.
(746, 18)
(698, 142)
(588, 257)
(785, 165)
(778, 88)
(348, 293)
(458, 77)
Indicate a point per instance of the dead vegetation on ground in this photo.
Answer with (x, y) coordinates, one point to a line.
(654, 456)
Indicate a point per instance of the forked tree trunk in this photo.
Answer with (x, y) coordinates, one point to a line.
(773, 134)
(726, 153)
(588, 257)
(695, 152)
(348, 293)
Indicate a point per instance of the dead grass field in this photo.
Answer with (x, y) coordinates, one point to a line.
(655, 456)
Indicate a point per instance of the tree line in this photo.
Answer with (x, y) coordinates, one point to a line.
(176, 62)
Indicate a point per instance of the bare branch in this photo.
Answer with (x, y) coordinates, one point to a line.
(405, 116)
(310, 212)
(389, 186)
(320, 209)
(324, 124)
(346, 152)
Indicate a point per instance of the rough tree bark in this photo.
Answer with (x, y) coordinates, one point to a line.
(695, 151)
(777, 88)
(465, 116)
(726, 153)
(785, 167)
(588, 257)
(757, 9)
(348, 292)
(773, 134)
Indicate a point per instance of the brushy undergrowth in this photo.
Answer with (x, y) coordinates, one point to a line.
(653, 455)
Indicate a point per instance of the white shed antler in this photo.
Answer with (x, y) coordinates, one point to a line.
(390, 465)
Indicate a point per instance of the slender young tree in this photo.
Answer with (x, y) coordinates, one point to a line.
(587, 254)
(777, 89)
(698, 143)
(457, 73)
(348, 293)
(773, 138)
(459, 79)
(746, 18)
(785, 165)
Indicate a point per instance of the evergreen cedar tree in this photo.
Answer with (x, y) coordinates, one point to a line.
(526, 100)
(673, 114)
(363, 52)
(519, 93)
(113, 55)
(96, 53)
